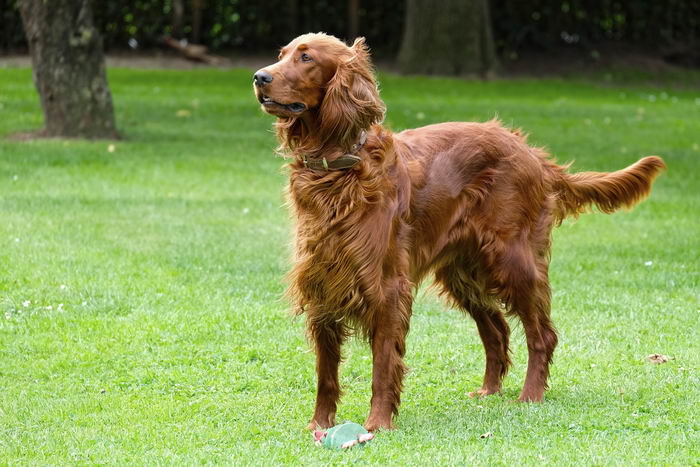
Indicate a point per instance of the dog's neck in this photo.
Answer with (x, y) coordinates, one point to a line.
(313, 148)
(308, 119)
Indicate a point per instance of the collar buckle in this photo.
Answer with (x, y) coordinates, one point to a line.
(345, 161)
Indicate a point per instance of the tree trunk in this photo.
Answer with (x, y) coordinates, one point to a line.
(197, 6)
(449, 37)
(69, 69)
(178, 15)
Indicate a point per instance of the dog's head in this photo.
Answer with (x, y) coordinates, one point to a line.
(320, 80)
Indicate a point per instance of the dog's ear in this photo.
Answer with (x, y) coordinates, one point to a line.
(351, 102)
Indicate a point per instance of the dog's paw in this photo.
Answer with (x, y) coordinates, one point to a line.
(530, 397)
(483, 392)
(377, 424)
(320, 425)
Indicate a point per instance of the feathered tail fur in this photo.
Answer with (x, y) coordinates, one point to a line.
(607, 190)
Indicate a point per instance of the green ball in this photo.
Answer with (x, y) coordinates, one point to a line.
(341, 434)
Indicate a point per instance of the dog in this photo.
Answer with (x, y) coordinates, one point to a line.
(471, 204)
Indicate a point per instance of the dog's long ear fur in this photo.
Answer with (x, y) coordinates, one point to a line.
(351, 102)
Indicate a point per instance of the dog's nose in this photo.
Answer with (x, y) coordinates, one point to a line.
(262, 77)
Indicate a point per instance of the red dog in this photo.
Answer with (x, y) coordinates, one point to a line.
(377, 212)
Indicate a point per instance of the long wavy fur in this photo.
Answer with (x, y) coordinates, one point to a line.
(471, 203)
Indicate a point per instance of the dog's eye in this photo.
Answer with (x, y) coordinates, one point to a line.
(306, 58)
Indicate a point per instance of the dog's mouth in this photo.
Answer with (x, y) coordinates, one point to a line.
(294, 107)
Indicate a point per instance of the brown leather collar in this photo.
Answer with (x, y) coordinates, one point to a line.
(343, 162)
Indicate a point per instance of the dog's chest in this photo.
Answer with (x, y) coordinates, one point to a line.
(340, 252)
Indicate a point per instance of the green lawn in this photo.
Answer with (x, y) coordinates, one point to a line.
(141, 317)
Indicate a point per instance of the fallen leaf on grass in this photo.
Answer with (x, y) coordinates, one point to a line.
(657, 358)
(488, 434)
(183, 113)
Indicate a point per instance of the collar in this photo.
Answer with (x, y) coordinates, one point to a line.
(345, 161)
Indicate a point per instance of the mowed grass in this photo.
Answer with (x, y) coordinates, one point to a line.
(141, 310)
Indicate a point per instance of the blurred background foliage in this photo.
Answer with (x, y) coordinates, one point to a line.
(670, 27)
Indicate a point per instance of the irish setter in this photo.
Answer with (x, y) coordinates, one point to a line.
(376, 212)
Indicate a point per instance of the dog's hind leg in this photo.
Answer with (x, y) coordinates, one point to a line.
(541, 341)
(490, 321)
(525, 289)
(494, 332)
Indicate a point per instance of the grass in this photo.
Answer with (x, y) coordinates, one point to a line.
(141, 319)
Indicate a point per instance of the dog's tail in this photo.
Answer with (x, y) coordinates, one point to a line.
(607, 190)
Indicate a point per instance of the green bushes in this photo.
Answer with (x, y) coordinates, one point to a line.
(254, 25)
(542, 24)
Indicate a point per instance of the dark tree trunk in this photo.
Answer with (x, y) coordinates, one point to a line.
(449, 37)
(178, 15)
(69, 69)
(197, 6)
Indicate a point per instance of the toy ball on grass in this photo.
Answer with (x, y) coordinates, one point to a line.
(343, 436)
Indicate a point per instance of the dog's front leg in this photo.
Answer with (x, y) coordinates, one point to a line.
(388, 339)
(327, 338)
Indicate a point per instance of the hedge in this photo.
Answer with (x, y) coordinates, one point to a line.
(254, 25)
